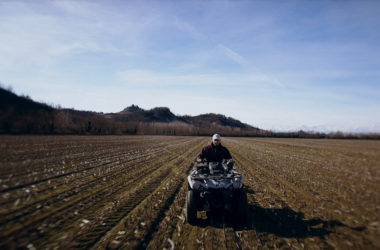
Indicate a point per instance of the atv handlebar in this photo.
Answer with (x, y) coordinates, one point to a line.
(225, 161)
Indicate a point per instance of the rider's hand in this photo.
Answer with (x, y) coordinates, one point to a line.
(230, 164)
(199, 160)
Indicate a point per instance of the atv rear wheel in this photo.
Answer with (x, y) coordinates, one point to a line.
(191, 207)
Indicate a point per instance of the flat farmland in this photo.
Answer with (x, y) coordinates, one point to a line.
(128, 192)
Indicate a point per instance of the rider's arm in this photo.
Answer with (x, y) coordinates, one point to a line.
(227, 156)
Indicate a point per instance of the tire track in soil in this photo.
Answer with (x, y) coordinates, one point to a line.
(67, 191)
(88, 175)
(156, 168)
(66, 204)
(227, 237)
(156, 225)
(304, 160)
(166, 196)
(67, 144)
(62, 210)
(180, 183)
(273, 182)
(284, 194)
(90, 238)
(173, 231)
(79, 204)
(294, 193)
(89, 160)
(37, 167)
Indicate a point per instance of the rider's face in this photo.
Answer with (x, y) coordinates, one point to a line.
(216, 142)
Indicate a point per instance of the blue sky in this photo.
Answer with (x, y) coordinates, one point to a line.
(280, 65)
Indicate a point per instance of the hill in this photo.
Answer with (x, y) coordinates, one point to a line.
(22, 115)
(135, 113)
(163, 114)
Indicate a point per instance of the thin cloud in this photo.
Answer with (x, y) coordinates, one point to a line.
(74, 48)
(312, 64)
(233, 55)
(187, 28)
(146, 78)
(35, 37)
(81, 9)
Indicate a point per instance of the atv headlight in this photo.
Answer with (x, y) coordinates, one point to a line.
(237, 184)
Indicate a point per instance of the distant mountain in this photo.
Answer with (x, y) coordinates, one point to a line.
(135, 113)
(163, 114)
(222, 120)
(20, 114)
(131, 109)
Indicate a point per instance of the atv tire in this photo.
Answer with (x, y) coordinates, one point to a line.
(240, 209)
(191, 207)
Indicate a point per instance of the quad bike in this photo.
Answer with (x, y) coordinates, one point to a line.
(214, 187)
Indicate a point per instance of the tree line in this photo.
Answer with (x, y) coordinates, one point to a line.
(21, 115)
(60, 121)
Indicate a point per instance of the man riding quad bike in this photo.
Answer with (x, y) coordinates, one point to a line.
(214, 186)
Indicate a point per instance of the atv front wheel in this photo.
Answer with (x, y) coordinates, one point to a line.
(191, 207)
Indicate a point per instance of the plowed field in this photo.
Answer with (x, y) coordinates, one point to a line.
(129, 192)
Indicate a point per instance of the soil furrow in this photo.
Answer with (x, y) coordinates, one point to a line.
(129, 192)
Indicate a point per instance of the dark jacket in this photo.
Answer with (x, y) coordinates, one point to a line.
(214, 153)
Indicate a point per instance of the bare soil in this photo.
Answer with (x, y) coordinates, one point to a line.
(128, 192)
